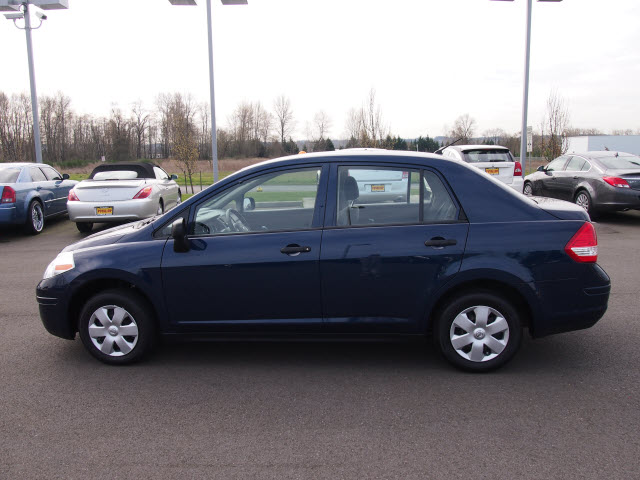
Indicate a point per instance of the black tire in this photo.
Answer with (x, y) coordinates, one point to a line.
(84, 227)
(137, 313)
(486, 358)
(35, 218)
(160, 210)
(529, 186)
(179, 201)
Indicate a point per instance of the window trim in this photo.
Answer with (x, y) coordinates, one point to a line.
(331, 214)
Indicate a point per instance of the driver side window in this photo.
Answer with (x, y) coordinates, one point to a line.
(275, 201)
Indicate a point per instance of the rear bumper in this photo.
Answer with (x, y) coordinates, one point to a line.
(9, 215)
(570, 305)
(127, 210)
(612, 198)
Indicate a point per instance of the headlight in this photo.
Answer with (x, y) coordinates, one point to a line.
(62, 263)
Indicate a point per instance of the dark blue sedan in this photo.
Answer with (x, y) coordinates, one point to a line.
(288, 248)
(30, 193)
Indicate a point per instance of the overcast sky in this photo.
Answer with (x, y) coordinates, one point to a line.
(428, 60)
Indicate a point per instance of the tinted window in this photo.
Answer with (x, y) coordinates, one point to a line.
(378, 196)
(37, 175)
(485, 155)
(51, 173)
(586, 166)
(575, 164)
(621, 162)
(9, 175)
(270, 202)
(438, 206)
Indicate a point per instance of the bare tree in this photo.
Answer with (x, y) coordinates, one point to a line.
(284, 117)
(140, 125)
(463, 128)
(555, 125)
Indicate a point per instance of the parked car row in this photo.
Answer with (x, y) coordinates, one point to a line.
(31, 193)
(459, 255)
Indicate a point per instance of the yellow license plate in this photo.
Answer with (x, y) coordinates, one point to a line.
(377, 188)
(492, 171)
(104, 210)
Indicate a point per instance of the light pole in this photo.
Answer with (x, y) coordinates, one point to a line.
(9, 5)
(525, 95)
(214, 140)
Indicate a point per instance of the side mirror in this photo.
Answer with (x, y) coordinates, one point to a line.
(173, 177)
(249, 204)
(65, 176)
(179, 235)
(541, 168)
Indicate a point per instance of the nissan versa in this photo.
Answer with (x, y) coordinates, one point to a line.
(288, 249)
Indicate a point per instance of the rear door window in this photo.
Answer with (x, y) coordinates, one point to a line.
(37, 175)
(575, 164)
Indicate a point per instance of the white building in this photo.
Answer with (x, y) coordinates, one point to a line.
(615, 143)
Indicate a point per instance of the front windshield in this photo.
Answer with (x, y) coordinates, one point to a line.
(621, 163)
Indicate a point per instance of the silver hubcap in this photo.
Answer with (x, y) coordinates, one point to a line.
(113, 330)
(37, 217)
(479, 333)
(528, 191)
(583, 201)
(159, 209)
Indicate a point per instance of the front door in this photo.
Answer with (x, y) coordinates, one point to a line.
(253, 262)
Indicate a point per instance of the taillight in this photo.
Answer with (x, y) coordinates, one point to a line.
(517, 171)
(144, 193)
(72, 197)
(616, 182)
(583, 246)
(8, 195)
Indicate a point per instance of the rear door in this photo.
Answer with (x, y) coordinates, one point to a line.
(496, 162)
(45, 189)
(380, 261)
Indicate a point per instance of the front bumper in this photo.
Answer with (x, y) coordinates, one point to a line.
(123, 210)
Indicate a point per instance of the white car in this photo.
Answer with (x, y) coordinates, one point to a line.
(492, 159)
(122, 192)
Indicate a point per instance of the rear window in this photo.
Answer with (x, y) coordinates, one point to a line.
(479, 156)
(621, 162)
(9, 175)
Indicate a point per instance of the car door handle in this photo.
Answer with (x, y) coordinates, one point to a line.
(294, 249)
(440, 242)
(576, 178)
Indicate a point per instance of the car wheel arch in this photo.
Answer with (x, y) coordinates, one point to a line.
(516, 296)
(88, 289)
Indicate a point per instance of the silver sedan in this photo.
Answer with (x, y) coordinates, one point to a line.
(122, 192)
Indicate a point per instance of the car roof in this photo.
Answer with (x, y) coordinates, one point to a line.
(463, 148)
(601, 154)
(16, 165)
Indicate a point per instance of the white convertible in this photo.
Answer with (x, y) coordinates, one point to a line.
(122, 192)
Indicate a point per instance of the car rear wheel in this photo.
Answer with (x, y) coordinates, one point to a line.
(35, 218)
(160, 210)
(116, 327)
(583, 199)
(528, 189)
(478, 331)
(179, 200)
(84, 227)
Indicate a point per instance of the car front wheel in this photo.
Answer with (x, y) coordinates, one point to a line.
(478, 331)
(528, 189)
(116, 327)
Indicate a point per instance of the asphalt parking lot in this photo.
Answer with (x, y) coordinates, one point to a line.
(568, 406)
